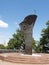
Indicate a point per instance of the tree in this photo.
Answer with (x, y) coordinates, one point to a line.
(33, 43)
(16, 41)
(11, 44)
(44, 40)
(36, 46)
(2, 46)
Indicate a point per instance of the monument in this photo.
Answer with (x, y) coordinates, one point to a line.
(27, 28)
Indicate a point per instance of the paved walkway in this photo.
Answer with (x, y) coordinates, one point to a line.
(21, 59)
(9, 63)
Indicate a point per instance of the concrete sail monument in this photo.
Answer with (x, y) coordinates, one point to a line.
(27, 27)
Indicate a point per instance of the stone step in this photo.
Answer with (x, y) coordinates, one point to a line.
(27, 60)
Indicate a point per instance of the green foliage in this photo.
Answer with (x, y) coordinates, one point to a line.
(11, 44)
(36, 46)
(47, 23)
(2, 46)
(33, 44)
(16, 41)
(45, 38)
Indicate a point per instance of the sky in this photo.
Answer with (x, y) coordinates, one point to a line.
(13, 12)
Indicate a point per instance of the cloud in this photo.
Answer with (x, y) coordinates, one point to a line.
(3, 24)
(17, 25)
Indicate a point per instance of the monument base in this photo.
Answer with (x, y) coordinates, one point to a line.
(28, 49)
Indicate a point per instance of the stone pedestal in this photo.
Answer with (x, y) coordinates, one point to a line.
(27, 28)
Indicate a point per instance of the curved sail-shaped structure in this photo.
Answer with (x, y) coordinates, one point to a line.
(27, 28)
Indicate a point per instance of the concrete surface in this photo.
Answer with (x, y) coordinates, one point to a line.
(23, 59)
